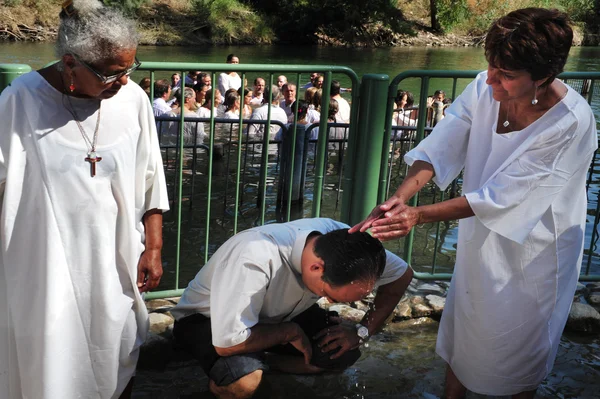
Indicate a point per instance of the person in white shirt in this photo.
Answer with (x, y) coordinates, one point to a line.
(230, 80)
(162, 92)
(175, 81)
(256, 131)
(289, 97)
(258, 294)
(524, 142)
(281, 80)
(193, 132)
(205, 110)
(257, 93)
(343, 115)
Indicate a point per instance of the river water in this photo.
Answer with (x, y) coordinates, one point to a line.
(400, 363)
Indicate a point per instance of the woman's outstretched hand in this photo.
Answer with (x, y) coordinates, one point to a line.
(397, 225)
(388, 209)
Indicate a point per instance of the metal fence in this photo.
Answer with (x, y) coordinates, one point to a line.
(233, 180)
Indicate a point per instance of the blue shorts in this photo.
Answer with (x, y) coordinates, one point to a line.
(193, 334)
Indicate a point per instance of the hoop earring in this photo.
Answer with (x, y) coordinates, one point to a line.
(535, 100)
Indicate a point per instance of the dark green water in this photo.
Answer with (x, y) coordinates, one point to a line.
(389, 61)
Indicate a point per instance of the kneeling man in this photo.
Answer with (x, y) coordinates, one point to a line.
(253, 305)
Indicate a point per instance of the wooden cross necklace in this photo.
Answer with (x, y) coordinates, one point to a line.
(92, 155)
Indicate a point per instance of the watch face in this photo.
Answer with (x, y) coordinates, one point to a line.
(363, 332)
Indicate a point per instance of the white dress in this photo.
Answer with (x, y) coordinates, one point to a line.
(71, 317)
(226, 82)
(519, 257)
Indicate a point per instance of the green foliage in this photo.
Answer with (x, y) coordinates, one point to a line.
(458, 17)
(451, 12)
(229, 21)
(346, 20)
(578, 10)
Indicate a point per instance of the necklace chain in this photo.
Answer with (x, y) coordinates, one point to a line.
(506, 122)
(90, 144)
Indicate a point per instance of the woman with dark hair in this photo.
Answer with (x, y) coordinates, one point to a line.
(230, 79)
(247, 108)
(232, 105)
(83, 191)
(525, 141)
(402, 115)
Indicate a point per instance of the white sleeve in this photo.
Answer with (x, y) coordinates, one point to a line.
(513, 201)
(149, 162)
(446, 147)
(223, 83)
(395, 267)
(237, 292)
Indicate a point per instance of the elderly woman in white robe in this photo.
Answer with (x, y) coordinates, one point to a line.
(525, 141)
(82, 190)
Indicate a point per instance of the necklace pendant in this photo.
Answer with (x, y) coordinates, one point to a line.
(506, 123)
(93, 158)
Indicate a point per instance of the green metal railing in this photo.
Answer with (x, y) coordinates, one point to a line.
(294, 72)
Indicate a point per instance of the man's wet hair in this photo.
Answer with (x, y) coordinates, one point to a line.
(349, 257)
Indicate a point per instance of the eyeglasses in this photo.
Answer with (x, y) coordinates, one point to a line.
(111, 78)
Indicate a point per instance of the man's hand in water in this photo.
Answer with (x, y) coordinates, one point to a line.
(340, 335)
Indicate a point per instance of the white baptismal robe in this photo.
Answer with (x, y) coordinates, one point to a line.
(71, 316)
(519, 257)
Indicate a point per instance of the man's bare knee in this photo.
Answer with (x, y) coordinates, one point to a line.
(243, 388)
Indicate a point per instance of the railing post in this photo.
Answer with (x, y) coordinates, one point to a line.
(9, 72)
(365, 151)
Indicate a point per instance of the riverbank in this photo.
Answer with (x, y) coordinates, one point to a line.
(174, 23)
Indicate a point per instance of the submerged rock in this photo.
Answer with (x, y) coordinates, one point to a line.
(583, 318)
(160, 322)
(347, 312)
(402, 311)
(436, 303)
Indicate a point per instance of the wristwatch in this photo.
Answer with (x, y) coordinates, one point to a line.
(363, 333)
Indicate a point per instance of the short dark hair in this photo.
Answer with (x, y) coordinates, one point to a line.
(246, 91)
(536, 40)
(230, 98)
(199, 86)
(231, 56)
(349, 257)
(161, 87)
(335, 88)
(410, 98)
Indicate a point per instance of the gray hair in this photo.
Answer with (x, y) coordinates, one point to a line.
(94, 32)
